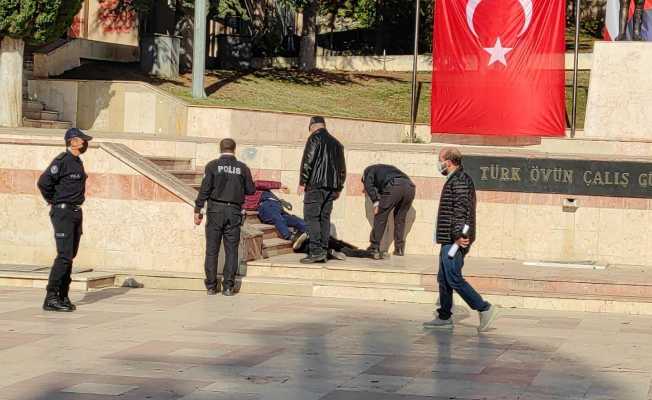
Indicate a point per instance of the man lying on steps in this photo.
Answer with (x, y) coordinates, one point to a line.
(271, 210)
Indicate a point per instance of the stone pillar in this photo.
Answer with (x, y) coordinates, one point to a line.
(11, 81)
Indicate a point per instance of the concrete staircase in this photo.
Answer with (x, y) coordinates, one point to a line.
(34, 113)
(29, 276)
(185, 170)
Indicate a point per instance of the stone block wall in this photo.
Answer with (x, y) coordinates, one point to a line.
(394, 63)
(520, 226)
(510, 225)
(130, 222)
(139, 108)
(113, 106)
(619, 92)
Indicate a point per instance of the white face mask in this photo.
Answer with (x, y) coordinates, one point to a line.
(443, 168)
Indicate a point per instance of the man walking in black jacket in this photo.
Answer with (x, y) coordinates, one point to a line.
(225, 184)
(456, 211)
(323, 172)
(390, 189)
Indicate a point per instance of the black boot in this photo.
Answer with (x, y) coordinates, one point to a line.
(65, 300)
(314, 259)
(399, 251)
(228, 291)
(53, 303)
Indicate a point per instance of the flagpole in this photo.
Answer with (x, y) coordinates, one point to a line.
(415, 61)
(575, 68)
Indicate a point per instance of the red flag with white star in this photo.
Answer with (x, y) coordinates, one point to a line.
(498, 67)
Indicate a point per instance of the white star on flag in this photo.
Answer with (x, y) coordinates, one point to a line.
(498, 53)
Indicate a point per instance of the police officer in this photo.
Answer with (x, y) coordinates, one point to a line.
(63, 185)
(390, 189)
(225, 184)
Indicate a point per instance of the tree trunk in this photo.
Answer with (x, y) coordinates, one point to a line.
(11, 81)
(381, 28)
(307, 60)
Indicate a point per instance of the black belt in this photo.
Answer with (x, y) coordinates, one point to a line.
(398, 180)
(226, 203)
(67, 206)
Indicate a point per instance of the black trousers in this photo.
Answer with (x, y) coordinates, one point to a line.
(67, 225)
(317, 208)
(398, 197)
(222, 225)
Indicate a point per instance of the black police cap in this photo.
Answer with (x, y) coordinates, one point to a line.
(76, 133)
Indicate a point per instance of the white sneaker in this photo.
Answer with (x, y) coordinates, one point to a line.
(337, 255)
(439, 323)
(299, 241)
(487, 318)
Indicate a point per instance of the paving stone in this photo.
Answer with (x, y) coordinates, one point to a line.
(171, 345)
(100, 388)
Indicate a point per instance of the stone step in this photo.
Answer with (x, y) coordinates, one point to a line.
(41, 123)
(188, 176)
(31, 105)
(350, 288)
(276, 247)
(393, 293)
(487, 276)
(172, 163)
(269, 231)
(252, 217)
(39, 279)
(334, 271)
(333, 289)
(41, 115)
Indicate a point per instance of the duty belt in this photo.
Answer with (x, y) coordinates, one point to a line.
(67, 206)
(225, 203)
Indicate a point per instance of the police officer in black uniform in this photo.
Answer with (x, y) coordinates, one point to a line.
(390, 189)
(225, 184)
(63, 185)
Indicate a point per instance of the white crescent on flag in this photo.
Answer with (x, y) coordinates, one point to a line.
(471, 5)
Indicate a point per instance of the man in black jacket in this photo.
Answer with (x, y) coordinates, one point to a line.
(225, 184)
(323, 172)
(389, 189)
(456, 210)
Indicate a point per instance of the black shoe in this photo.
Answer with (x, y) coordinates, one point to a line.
(66, 302)
(227, 292)
(314, 259)
(52, 303)
(399, 252)
(375, 253)
(211, 292)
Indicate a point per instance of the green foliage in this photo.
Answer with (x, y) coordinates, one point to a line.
(37, 21)
(216, 8)
(386, 16)
(229, 8)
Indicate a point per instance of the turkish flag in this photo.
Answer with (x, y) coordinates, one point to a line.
(498, 67)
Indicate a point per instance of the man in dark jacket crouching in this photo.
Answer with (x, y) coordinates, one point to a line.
(323, 172)
(456, 229)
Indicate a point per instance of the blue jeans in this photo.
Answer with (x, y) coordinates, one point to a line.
(271, 212)
(450, 279)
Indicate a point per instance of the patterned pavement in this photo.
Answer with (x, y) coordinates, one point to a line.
(173, 345)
